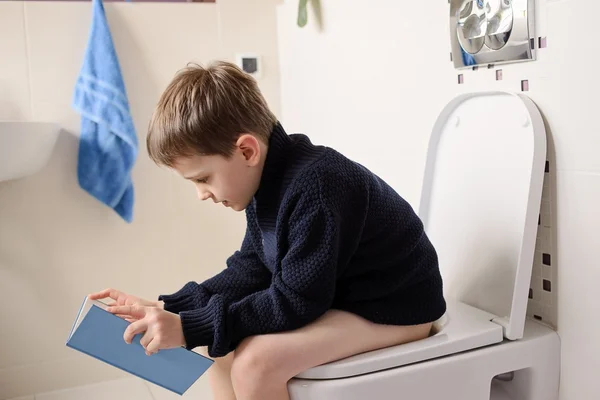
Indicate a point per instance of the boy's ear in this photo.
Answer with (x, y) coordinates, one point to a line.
(249, 148)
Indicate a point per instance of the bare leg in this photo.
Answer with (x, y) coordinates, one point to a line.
(219, 376)
(264, 364)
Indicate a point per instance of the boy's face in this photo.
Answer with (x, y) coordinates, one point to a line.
(230, 181)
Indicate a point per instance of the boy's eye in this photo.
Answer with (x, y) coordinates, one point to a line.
(201, 180)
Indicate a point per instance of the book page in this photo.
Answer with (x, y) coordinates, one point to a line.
(87, 305)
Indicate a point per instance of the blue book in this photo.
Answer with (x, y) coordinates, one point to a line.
(99, 334)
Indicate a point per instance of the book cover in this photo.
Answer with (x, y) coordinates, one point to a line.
(99, 334)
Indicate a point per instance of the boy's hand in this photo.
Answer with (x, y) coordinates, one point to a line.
(124, 299)
(162, 328)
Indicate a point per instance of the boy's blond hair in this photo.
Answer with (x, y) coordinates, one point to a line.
(203, 111)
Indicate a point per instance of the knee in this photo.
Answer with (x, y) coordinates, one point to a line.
(254, 366)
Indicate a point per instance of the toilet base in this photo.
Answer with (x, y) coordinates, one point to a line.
(534, 359)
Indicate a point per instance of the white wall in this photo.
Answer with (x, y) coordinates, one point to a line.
(57, 243)
(371, 84)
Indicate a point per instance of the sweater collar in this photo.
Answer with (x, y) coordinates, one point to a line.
(275, 163)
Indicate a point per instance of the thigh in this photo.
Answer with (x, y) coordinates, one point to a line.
(223, 361)
(336, 335)
(219, 375)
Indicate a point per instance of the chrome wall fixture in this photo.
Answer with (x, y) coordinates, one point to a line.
(487, 32)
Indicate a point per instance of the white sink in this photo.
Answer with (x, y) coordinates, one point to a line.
(25, 147)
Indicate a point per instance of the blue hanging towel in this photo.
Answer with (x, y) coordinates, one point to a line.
(108, 144)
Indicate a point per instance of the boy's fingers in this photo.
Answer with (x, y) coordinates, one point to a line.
(112, 293)
(149, 353)
(146, 339)
(133, 329)
(132, 311)
(98, 295)
(126, 317)
(152, 347)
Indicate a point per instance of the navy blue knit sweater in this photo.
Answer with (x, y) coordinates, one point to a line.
(322, 232)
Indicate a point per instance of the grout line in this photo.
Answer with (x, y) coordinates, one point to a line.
(219, 27)
(24, 366)
(28, 55)
(578, 171)
(149, 391)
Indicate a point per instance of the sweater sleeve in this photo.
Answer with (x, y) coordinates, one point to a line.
(301, 290)
(245, 274)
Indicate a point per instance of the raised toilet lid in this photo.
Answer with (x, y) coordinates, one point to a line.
(480, 204)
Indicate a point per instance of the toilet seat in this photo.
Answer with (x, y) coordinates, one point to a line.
(468, 328)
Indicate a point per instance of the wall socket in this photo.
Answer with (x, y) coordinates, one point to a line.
(250, 63)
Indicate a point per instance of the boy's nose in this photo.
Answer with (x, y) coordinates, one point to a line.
(204, 195)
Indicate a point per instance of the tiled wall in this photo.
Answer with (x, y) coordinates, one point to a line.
(57, 243)
(371, 83)
(542, 294)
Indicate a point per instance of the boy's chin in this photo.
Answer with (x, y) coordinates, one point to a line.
(237, 207)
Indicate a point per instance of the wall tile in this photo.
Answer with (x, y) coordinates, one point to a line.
(198, 391)
(14, 84)
(246, 28)
(578, 277)
(131, 389)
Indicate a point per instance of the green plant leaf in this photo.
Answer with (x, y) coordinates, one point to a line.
(302, 13)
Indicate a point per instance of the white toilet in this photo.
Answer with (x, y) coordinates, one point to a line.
(480, 204)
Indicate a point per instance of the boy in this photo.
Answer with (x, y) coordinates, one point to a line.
(333, 263)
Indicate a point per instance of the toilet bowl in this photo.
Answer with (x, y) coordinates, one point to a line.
(480, 203)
